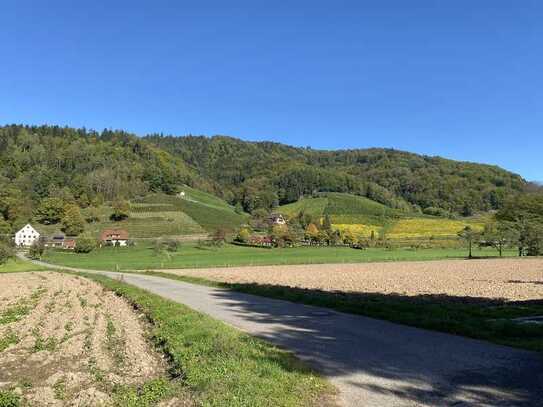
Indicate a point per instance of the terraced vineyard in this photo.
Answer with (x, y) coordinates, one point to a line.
(343, 209)
(364, 217)
(210, 213)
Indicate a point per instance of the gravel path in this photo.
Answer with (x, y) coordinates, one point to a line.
(372, 362)
(511, 279)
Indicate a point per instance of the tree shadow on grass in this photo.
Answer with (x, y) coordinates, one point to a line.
(402, 364)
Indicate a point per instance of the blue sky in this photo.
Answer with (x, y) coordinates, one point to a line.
(460, 79)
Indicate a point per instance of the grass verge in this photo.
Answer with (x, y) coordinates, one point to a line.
(220, 365)
(478, 318)
(18, 266)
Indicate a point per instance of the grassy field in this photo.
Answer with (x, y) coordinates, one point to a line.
(190, 255)
(17, 266)
(220, 365)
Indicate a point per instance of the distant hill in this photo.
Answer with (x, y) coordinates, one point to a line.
(257, 173)
(92, 169)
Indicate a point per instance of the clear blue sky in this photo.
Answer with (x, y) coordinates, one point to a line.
(461, 79)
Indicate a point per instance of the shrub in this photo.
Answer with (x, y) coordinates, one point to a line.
(6, 252)
(85, 244)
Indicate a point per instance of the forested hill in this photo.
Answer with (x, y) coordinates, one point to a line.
(84, 165)
(39, 162)
(257, 173)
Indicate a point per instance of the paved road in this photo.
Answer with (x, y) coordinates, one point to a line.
(372, 362)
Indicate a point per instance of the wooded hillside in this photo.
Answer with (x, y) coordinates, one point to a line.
(257, 174)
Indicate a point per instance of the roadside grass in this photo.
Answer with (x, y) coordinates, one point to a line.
(478, 318)
(189, 255)
(220, 365)
(18, 266)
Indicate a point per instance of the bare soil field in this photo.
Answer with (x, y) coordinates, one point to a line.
(506, 279)
(65, 340)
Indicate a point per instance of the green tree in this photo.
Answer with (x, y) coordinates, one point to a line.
(5, 229)
(6, 252)
(85, 244)
(499, 235)
(36, 250)
(50, 211)
(121, 210)
(469, 236)
(72, 220)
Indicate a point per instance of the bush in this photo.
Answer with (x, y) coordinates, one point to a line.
(6, 252)
(85, 244)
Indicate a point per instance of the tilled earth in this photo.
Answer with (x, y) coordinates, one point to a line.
(64, 340)
(506, 279)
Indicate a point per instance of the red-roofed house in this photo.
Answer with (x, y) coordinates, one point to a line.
(114, 237)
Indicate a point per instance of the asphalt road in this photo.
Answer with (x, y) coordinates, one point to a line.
(371, 362)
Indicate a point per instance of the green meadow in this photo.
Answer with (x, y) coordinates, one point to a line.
(190, 255)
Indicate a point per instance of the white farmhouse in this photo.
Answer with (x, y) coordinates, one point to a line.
(26, 236)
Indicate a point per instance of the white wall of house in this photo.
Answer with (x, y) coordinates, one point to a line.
(26, 236)
(120, 242)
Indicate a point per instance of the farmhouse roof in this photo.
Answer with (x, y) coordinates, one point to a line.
(113, 234)
(69, 244)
